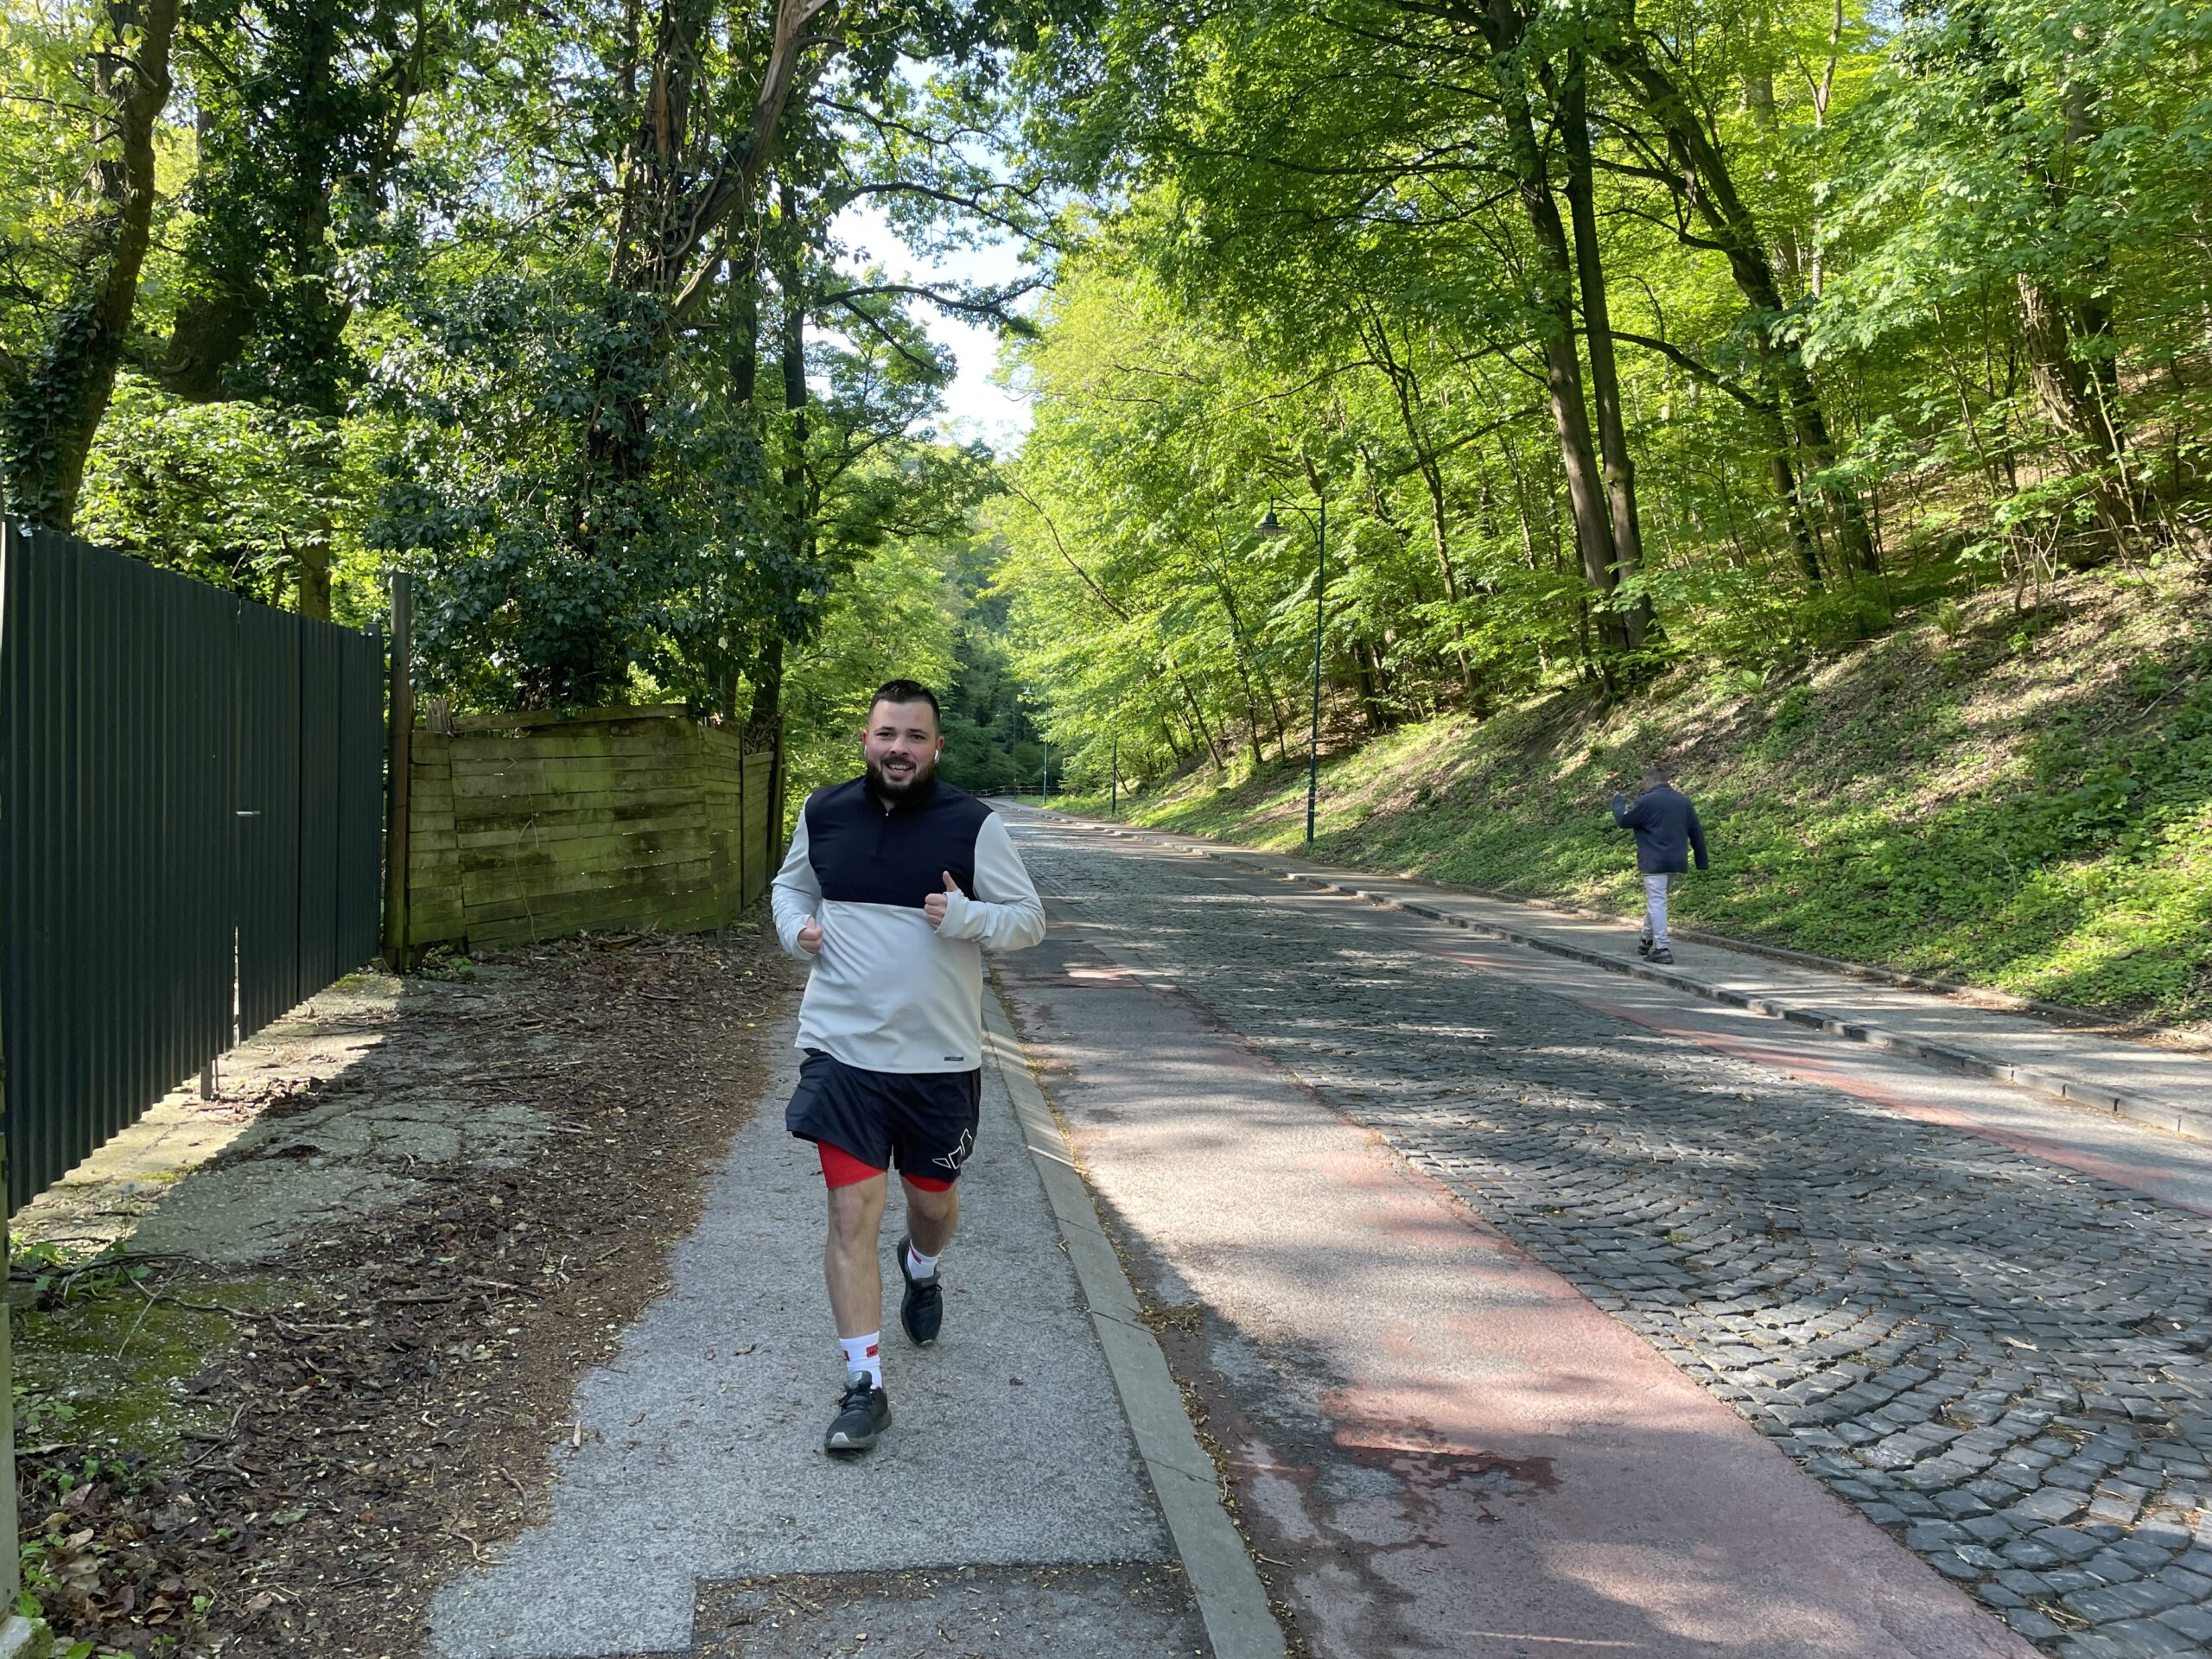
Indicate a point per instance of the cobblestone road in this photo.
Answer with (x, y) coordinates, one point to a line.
(2002, 1361)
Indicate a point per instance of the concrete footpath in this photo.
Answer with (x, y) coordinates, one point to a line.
(1007, 1514)
(2101, 1067)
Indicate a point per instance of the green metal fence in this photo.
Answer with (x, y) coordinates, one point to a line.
(190, 832)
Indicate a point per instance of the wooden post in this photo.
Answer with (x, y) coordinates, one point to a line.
(744, 840)
(399, 744)
(775, 813)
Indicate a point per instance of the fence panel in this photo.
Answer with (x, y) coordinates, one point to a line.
(160, 735)
(268, 816)
(361, 798)
(320, 734)
(199, 793)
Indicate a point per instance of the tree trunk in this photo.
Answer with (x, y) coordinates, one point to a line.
(680, 190)
(1520, 505)
(1244, 656)
(745, 334)
(791, 331)
(1198, 720)
(1702, 182)
(764, 719)
(1597, 322)
(744, 367)
(764, 731)
(1251, 703)
(311, 575)
(1786, 487)
(54, 406)
(1370, 701)
(1553, 279)
(2073, 403)
(1407, 391)
(297, 144)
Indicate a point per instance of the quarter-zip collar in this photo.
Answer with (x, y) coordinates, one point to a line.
(911, 801)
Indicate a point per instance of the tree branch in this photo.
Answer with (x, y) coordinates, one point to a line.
(1698, 371)
(1020, 495)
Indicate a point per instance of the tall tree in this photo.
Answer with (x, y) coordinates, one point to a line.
(55, 384)
(1693, 162)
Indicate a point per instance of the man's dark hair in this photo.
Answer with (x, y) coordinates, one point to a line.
(1654, 773)
(904, 691)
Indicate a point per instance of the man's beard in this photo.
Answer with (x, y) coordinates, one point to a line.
(887, 789)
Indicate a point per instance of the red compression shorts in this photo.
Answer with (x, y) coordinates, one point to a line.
(841, 1168)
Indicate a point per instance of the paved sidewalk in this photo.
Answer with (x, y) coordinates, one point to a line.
(2166, 1088)
(1006, 1512)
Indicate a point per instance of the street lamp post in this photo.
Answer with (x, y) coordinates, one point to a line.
(1272, 526)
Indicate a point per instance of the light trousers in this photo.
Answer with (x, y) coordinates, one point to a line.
(1655, 910)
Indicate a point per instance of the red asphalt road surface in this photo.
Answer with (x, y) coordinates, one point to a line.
(1437, 1446)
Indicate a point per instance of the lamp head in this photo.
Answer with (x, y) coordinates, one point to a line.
(1270, 525)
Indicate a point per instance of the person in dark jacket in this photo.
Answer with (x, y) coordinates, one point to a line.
(1667, 833)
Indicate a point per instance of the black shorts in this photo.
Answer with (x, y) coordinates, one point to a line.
(922, 1122)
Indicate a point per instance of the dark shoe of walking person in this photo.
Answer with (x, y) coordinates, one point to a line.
(1643, 945)
(863, 1414)
(922, 1309)
(1663, 956)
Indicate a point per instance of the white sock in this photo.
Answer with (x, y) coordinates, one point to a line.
(919, 1265)
(864, 1356)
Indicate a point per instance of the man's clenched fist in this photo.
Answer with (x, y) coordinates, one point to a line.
(810, 939)
(935, 905)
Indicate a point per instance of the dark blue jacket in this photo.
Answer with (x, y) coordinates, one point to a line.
(1666, 830)
(888, 992)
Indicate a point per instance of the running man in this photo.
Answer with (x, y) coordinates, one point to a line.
(1667, 830)
(895, 885)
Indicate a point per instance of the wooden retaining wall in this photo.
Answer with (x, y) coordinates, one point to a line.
(523, 828)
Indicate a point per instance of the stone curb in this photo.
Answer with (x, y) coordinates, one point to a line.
(25, 1638)
(1231, 1600)
(1979, 996)
(2140, 1109)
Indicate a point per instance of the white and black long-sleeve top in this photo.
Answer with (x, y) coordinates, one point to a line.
(887, 992)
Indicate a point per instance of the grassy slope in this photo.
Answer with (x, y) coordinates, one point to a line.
(2023, 801)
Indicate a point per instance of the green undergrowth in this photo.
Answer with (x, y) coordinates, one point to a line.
(2008, 796)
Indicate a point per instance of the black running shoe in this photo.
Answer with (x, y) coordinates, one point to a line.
(863, 1414)
(1663, 956)
(1643, 946)
(922, 1311)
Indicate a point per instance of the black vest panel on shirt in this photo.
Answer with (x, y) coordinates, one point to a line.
(863, 855)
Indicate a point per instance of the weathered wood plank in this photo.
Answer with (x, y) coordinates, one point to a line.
(603, 742)
(620, 909)
(510, 795)
(659, 712)
(490, 894)
(533, 826)
(519, 814)
(649, 843)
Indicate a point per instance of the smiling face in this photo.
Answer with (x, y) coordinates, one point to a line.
(901, 747)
